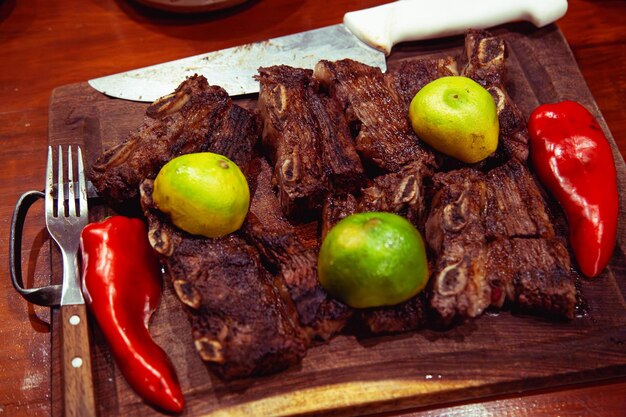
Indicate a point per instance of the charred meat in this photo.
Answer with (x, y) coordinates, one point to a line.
(403, 317)
(339, 156)
(240, 323)
(336, 207)
(375, 113)
(515, 207)
(483, 58)
(294, 265)
(528, 263)
(478, 226)
(308, 139)
(236, 137)
(401, 192)
(456, 233)
(290, 134)
(533, 274)
(195, 118)
(411, 75)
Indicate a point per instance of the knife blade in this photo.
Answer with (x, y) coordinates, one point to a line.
(365, 35)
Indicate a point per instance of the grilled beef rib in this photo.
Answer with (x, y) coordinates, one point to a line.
(240, 323)
(195, 118)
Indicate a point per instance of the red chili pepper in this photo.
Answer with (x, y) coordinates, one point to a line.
(573, 159)
(122, 287)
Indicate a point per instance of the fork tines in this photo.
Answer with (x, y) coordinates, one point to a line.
(70, 205)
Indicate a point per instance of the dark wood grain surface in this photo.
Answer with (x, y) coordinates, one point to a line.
(49, 44)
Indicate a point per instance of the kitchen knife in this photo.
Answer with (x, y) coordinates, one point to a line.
(366, 36)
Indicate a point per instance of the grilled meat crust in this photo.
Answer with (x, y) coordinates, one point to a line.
(375, 113)
(478, 225)
(401, 192)
(410, 76)
(336, 207)
(195, 118)
(295, 266)
(240, 323)
(236, 137)
(290, 135)
(515, 207)
(409, 315)
(534, 274)
(340, 160)
(308, 140)
(456, 233)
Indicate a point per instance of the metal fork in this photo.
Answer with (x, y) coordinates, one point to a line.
(66, 216)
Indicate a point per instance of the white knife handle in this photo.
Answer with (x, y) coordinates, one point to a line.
(384, 26)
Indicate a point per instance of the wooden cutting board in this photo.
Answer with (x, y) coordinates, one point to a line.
(353, 374)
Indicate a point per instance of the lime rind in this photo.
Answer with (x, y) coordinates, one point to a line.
(373, 266)
(203, 193)
(456, 116)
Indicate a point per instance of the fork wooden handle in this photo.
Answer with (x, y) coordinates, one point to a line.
(78, 398)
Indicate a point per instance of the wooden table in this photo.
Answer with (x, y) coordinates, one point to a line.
(45, 44)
